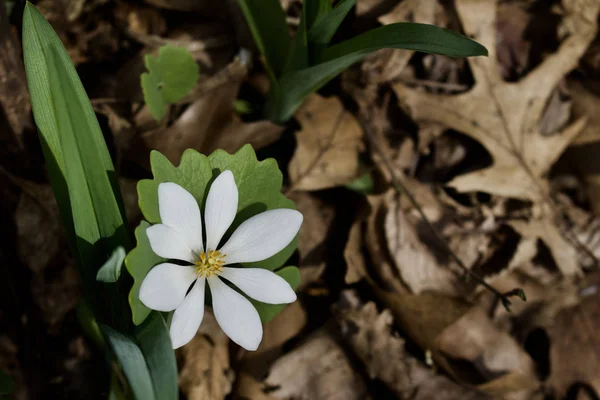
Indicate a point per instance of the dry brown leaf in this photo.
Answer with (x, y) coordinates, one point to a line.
(575, 342)
(248, 388)
(562, 251)
(39, 230)
(513, 50)
(318, 217)
(282, 328)
(493, 354)
(195, 6)
(328, 145)
(369, 334)
(384, 271)
(416, 264)
(582, 153)
(14, 97)
(504, 117)
(204, 372)
(318, 369)
(423, 317)
(354, 255)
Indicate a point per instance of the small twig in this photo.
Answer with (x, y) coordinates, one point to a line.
(457, 87)
(399, 186)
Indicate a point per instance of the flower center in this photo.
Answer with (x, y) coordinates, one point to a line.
(210, 263)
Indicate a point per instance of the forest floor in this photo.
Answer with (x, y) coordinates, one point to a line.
(432, 189)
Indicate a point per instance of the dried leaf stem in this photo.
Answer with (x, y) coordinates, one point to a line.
(397, 184)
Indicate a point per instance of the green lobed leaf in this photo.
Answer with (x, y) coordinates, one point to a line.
(138, 262)
(296, 85)
(259, 187)
(111, 270)
(132, 360)
(155, 343)
(171, 76)
(267, 22)
(269, 311)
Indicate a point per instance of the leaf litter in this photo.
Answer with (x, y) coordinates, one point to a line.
(481, 172)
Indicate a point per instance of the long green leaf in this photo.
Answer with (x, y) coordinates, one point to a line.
(298, 57)
(85, 185)
(155, 342)
(132, 360)
(268, 26)
(325, 27)
(79, 164)
(410, 36)
(296, 85)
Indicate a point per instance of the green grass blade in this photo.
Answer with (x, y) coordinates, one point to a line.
(132, 360)
(155, 343)
(410, 36)
(327, 24)
(268, 26)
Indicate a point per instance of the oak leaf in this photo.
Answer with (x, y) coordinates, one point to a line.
(505, 116)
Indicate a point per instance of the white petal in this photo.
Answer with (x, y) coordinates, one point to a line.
(179, 210)
(188, 316)
(236, 315)
(260, 284)
(167, 243)
(262, 236)
(221, 207)
(165, 286)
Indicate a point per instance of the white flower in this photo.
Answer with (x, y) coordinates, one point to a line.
(179, 237)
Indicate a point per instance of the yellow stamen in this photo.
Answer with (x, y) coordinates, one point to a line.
(209, 263)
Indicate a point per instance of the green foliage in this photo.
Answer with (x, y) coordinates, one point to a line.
(79, 165)
(85, 185)
(363, 184)
(132, 360)
(111, 270)
(138, 262)
(9, 6)
(155, 342)
(259, 188)
(309, 63)
(171, 76)
(7, 384)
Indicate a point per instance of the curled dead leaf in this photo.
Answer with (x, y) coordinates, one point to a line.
(318, 369)
(204, 372)
(369, 334)
(493, 354)
(282, 328)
